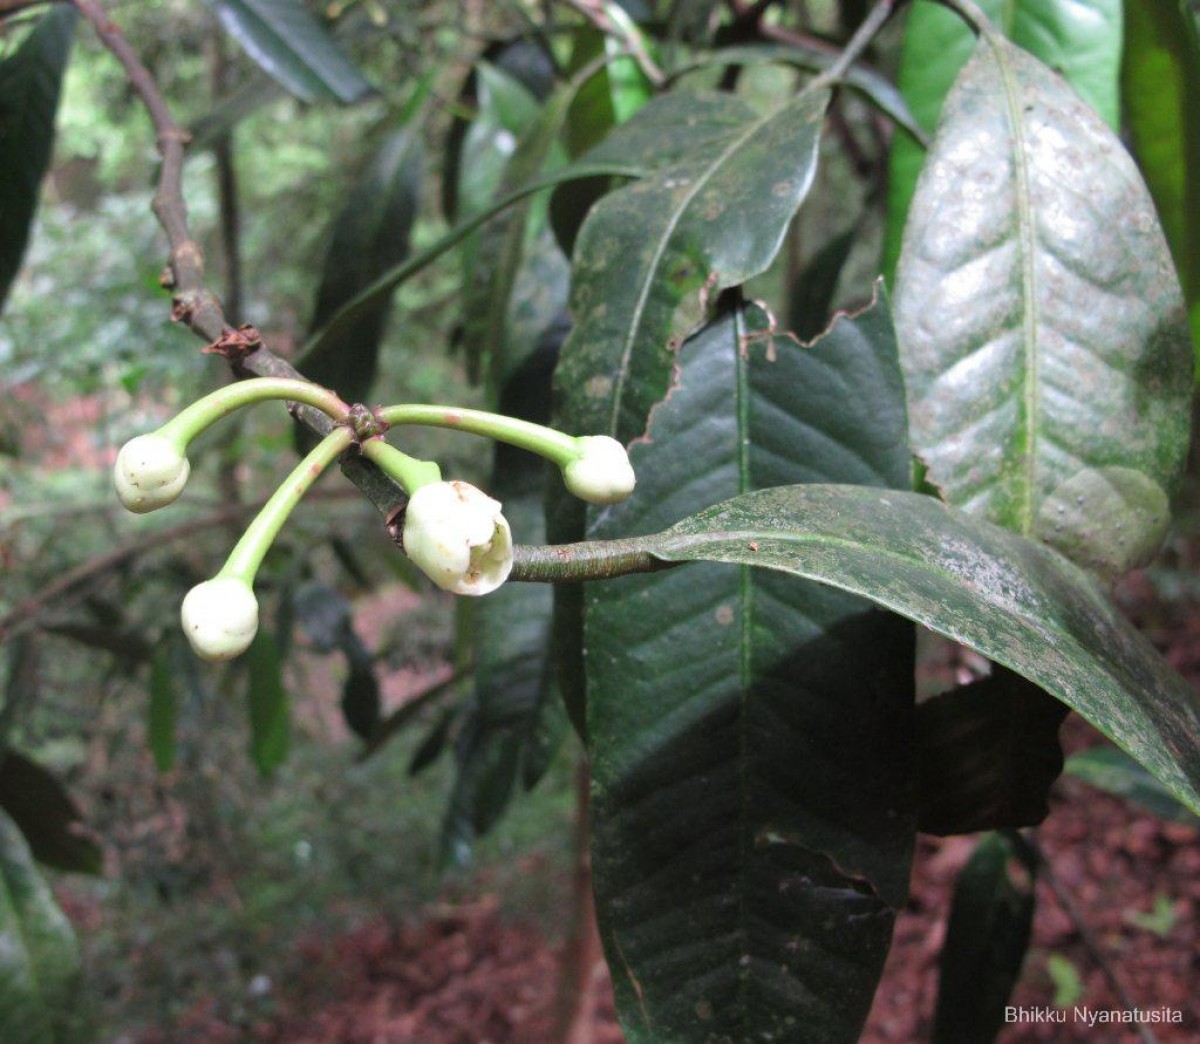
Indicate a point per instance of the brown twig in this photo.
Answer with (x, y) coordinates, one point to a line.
(74, 583)
(192, 304)
(594, 11)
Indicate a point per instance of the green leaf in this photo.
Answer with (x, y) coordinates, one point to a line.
(1043, 336)
(988, 755)
(267, 703)
(384, 285)
(652, 255)
(1080, 39)
(495, 274)
(30, 80)
(292, 47)
(986, 940)
(1011, 599)
(1115, 772)
(371, 236)
(1160, 82)
(160, 720)
(751, 738)
(39, 957)
(43, 810)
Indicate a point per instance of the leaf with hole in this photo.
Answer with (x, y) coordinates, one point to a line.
(751, 737)
(652, 256)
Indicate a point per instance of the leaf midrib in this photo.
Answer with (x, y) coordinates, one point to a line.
(1022, 215)
(675, 217)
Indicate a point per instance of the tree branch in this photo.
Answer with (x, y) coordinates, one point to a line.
(192, 304)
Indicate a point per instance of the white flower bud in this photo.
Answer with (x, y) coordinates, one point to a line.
(601, 474)
(455, 534)
(150, 473)
(220, 618)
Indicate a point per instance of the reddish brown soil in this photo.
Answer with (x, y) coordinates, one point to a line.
(463, 975)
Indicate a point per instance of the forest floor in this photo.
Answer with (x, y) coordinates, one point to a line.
(1117, 925)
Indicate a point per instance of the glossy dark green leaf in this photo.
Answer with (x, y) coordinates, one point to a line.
(750, 737)
(267, 704)
(652, 256)
(291, 46)
(1043, 335)
(30, 80)
(39, 957)
(1160, 82)
(988, 755)
(986, 940)
(1013, 600)
(371, 236)
(162, 711)
(43, 810)
(1115, 772)
(1079, 39)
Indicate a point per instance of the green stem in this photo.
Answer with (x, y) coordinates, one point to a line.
(410, 472)
(248, 553)
(553, 445)
(588, 560)
(190, 422)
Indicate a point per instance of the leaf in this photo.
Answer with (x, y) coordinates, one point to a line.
(371, 235)
(39, 958)
(1079, 39)
(386, 282)
(813, 291)
(1115, 772)
(651, 255)
(1041, 328)
(30, 81)
(1018, 603)
(22, 686)
(43, 811)
(360, 699)
(1160, 84)
(875, 88)
(986, 940)
(496, 272)
(291, 46)
(161, 716)
(988, 755)
(267, 704)
(751, 739)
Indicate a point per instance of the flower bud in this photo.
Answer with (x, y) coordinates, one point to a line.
(220, 618)
(601, 474)
(150, 473)
(455, 534)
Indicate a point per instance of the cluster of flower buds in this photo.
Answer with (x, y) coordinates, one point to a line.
(452, 531)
